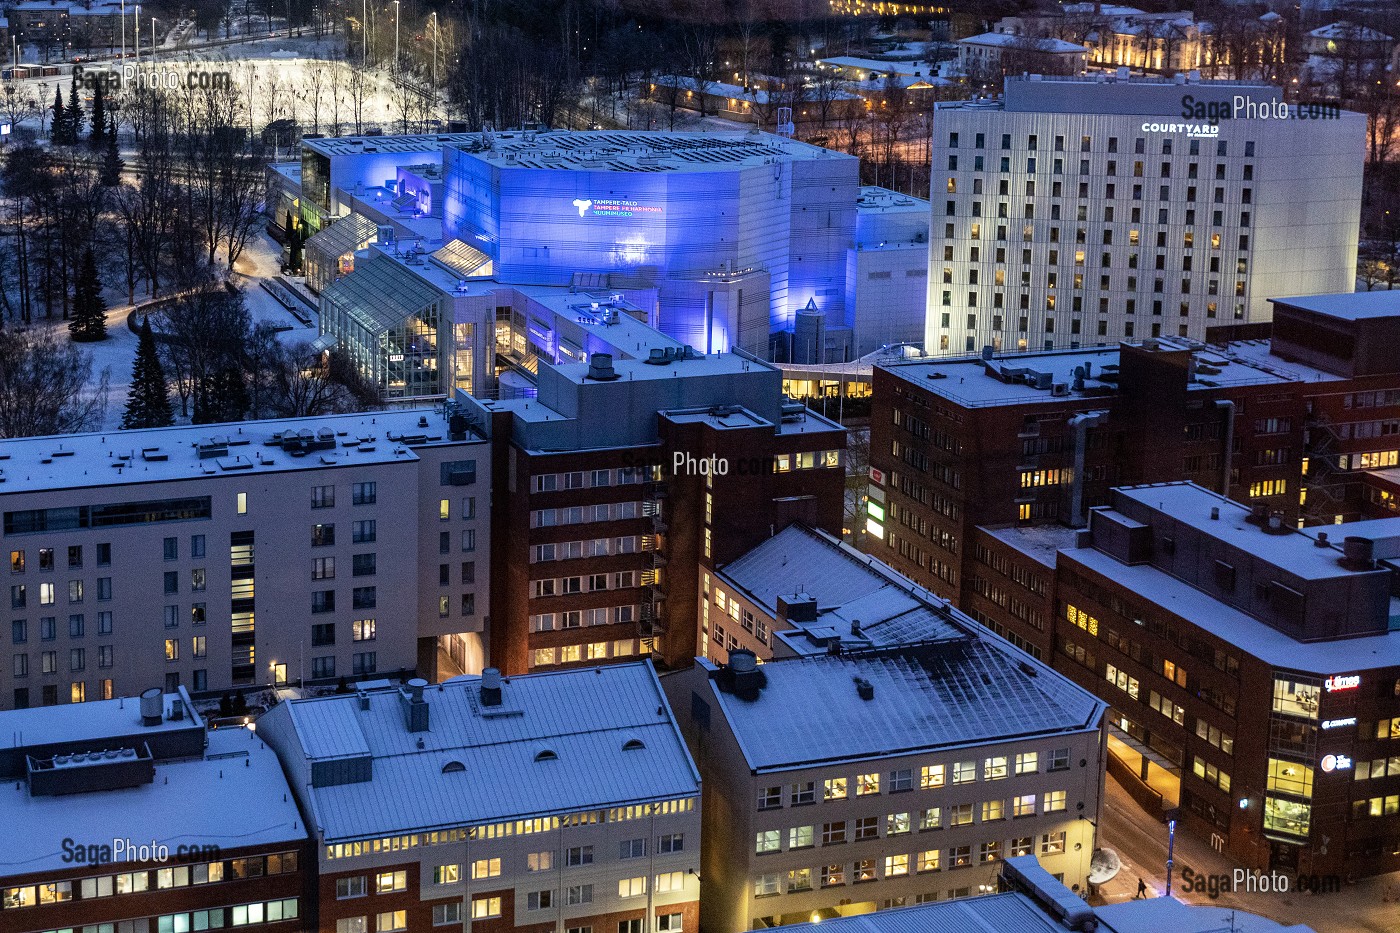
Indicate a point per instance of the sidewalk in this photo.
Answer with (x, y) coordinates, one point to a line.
(1369, 906)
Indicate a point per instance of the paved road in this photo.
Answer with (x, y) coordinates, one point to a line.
(1370, 906)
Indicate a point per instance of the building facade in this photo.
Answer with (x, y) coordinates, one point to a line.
(129, 824)
(810, 815)
(623, 480)
(559, 801)
(1076, 211)
(1252, 672)
(261, 553)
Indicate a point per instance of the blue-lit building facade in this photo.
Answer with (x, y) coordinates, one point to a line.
(737, 233)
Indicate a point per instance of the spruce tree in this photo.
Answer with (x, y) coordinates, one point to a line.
(97, 139)
(148, 400)
(89, 321)
(58, 131)
(73, 122)
(112, 165)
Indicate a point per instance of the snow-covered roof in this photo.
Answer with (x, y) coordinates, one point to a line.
(33, 464)
(881, 66)
(235, 797)
(967, 692)
(94, 721)
(999, 40)
(585, 717)
(1349, 306)
(1349, 32)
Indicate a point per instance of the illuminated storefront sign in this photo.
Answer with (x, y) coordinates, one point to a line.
(1342, 682)
(1338, 723)
(613, 207)
(1336, 762)
(877, 476)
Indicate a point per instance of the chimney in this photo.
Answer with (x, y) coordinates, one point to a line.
(864, 689)
(491, 687)
(415, 707)
(1215, 513)
(1321, 540)
(152, 706)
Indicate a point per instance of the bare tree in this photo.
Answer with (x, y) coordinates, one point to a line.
(46, 385)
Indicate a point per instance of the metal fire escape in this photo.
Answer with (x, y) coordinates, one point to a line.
(1324, 483)
(651, 622)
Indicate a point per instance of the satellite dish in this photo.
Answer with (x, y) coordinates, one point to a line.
(1104, 866)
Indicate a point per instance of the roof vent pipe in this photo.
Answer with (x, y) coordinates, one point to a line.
(491, 687)
(152, 706)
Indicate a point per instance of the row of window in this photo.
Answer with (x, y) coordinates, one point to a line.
(591, 583)
(578, 618)
(582, 514)
(590, 479)
(19, 561)
(141, 881)
(48, 592)
(592, 651)
(897, 824)
(1086, 144)
(929, 777)
(511, 828)
(489, 907)
(596, 547)
(903, 864)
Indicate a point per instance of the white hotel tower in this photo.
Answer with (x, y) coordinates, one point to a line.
(1087, 210)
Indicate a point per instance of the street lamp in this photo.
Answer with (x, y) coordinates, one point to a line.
(396, 37)
(435, 49)
(1171, 846)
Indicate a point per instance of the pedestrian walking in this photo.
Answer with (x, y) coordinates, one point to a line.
(1142, 889)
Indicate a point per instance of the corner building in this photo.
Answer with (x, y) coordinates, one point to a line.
(560, 801)
(846, 782)
(1079, 210)
(146, 772)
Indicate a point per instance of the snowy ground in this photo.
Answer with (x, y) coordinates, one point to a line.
(117, 353)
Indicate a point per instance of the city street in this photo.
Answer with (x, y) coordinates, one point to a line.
(1369, 906)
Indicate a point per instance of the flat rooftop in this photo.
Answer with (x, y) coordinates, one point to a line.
(1241, 629)
(954, 694)
(1042, 542)
(191, 803)
(123, 458)
(414, 142)
(1348, 306)
(94, 721)
(876, 200)
(1010, 378)
(1108, 94)
(1296, 551)
(638, 370)
(632, 151)
(584, 717)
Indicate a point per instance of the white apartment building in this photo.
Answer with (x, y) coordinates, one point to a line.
(558, 801)
(1087, 210)
(845, 782)
(225, 556)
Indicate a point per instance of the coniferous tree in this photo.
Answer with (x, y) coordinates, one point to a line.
(89, 321)
(112, 165)
(148, 400)
(58, 130)
(74, 118)
(97, 139)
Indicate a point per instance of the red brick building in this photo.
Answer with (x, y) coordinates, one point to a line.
(622, 481)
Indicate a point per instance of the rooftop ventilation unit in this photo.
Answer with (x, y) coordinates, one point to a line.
(600, 368)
